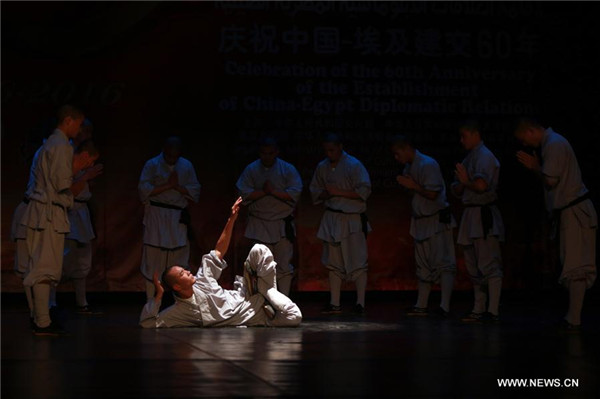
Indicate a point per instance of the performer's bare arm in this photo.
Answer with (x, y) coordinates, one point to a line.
(225, 238)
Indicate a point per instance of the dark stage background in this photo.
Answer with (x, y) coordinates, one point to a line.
(222, 75)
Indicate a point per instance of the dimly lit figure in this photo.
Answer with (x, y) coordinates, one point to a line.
(201, 302)
(431, 224)
(45, 216)
(271, 188)
(342, 183)
(481, 227)
(77, 261)
(567, 200)
(167, 183)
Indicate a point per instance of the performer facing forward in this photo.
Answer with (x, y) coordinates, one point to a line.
(343, 184)
(271, 187)
(481, 227)
(167, 183)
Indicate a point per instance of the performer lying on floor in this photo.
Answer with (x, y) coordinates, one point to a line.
(201, 302)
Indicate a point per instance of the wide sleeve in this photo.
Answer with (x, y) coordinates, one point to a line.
(62, 167)
(431, 178)
(361, 181)
(145, 185)
(173, 316)
(555, 157)
(245, 183)
(293, 184)
(485, 168)
(191, 183)
(212, 266)
(149, 318)
(317, 186)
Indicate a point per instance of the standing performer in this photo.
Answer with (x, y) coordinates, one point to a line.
(272, 187)
(168, 181)
(431, 224)
(343, 184)
(83, 157)
(201, 302)
(568, 201)
(481, 227)
(46, 216)
(77, 261)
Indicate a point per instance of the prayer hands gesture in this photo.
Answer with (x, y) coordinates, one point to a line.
(461, 174)
(173, 179)
(529, 161)
(268, 187)
(93, 172)
(332, 190)
(407, 182)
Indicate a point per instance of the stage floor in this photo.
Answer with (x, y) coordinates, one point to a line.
(383, 353)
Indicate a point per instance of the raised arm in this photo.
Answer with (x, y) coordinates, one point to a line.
(225, 238)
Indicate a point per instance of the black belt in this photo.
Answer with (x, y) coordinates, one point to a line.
(487, 219)
(364, 220)
(185, 217)
(290, 234)
(555, 218)
(26, 201)
(445, 216)
(167, 206)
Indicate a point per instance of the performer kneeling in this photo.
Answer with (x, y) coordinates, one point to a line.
(201, 302)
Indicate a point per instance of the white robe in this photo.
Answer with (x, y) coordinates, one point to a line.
(349, 174)
(265, 219)
(46, 213)
(213, 306)
(480, 163)
(161, 225)
(578, 223)
(424, 222)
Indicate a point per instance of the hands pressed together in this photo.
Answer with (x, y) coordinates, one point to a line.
(531, 162)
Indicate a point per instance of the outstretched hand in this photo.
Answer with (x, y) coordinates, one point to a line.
(157, 287)
(235, 208)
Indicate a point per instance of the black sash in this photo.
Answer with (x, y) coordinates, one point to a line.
(185, 217)
(364, 220)
(555, 218)
(289, 227)
(445, 216)
(487, 219)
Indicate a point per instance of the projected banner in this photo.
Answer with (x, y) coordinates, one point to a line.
(224, 75)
